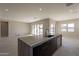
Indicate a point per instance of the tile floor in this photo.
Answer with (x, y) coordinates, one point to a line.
(70, 47)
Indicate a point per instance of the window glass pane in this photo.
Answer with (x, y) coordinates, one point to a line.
(52, 29)
(41, 31)
(52, 26)
(71, 25)
(33, 29)
(63, 27)
(70, 30)
(41, 25)
(52, 33)
(37, 29)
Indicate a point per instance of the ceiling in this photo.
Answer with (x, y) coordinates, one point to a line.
(30, 12)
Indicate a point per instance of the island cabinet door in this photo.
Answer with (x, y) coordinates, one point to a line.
(23, 49)
(50, 48)
(45, 49)
(54, 45)
(42, 50)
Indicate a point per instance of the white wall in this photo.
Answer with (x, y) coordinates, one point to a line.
(18, 28)
(9, 44)
(74, 34)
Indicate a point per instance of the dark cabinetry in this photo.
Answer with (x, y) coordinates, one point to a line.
(46, 49)
(23, 48)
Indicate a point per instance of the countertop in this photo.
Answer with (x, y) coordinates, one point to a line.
(33, 41)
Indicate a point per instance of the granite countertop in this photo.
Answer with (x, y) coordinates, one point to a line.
(33, 41)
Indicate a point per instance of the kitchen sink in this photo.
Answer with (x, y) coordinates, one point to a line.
(49, 35)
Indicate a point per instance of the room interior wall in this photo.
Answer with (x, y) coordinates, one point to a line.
(18, 28)
(8, 45)
(74, 34)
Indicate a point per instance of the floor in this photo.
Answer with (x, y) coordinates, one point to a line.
(70, 47)
(8, 46)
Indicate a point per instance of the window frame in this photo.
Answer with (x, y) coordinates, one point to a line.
(71, 27)
(52, 29)
(63, 27)
(37, 30)
(67, 27)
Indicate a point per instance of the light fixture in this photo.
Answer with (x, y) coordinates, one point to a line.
(40, 9)
(6, 9)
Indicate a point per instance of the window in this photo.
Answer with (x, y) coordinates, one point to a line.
(33, 30)
(71, 27)
(37, 29)
(41, 28)
(67, 27)
(52, 29)
(64, 27)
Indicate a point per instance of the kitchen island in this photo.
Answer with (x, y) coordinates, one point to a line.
(39, 45)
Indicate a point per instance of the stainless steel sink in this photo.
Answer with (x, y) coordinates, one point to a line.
(49, 35)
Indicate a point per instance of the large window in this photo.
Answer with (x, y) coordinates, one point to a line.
(71, 27)
(41, 29)
(37, 29)
(67, 27)
(52, 29)
(64, 27)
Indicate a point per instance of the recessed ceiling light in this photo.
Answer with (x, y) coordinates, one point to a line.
(40, 9)
(6, 9)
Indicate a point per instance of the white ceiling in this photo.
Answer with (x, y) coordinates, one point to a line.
(31, 12)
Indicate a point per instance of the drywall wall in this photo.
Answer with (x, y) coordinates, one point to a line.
(18, 28)
(74, 34)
